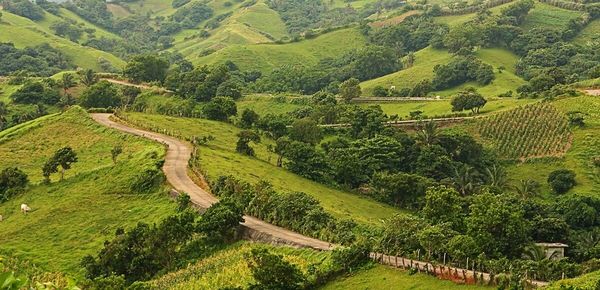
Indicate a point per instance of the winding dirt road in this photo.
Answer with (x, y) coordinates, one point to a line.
(176, 169)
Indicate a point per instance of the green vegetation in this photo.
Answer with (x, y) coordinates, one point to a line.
(382, 277)
(589, 33)
(266, 57)
(73, 217)
(547, 16)
(533, 131)
(25, 33)
(220, 158)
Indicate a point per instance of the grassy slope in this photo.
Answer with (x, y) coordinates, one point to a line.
(578, 157)
(218, 271)
(220, 158)
(428, 58)
(65, 14)
(382, 277)
(6, 90)
(587, 281)
(548, 16)
(266, 57)
(24, 32)
(72, 218)
(589, 33)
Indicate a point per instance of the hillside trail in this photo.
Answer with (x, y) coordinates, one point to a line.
(176, 171)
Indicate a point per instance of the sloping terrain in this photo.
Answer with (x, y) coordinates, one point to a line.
(24, 32)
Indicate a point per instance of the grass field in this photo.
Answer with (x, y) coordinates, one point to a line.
(441, 108)
(266, 57)
(428, 58)
(384, 278)
(548, 16)
(73, 217)
(591, 32)
(24, 32)
(6, 90)
(220, 158)
(229, 268)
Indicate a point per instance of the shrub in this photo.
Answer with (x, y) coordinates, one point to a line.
(562, 180)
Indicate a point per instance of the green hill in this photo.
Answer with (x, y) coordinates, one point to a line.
(265, 57)
(73, 217)
(24, 32)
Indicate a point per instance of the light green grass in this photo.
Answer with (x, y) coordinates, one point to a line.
(6, 90)
(263, 18)
(155, 7)
(548, 16)
(591, 32)
(266, 57)
(266, 104)
(73, 218)
(384, 278)
(456, 20)
(220, 158)
(229, 267)
(24, 32)
(443, 107)
(426, 59)
(587, 281)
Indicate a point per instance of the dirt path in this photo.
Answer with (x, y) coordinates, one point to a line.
(176, 168)
(593, 92)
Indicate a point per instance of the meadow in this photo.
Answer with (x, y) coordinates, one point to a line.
(547, 16)
(220, 158)
(383, 277)
(266, 57)
(503, 62)
(591, 32)
(24, 32)
(73, 217)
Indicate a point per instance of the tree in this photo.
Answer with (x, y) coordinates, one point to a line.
(3, 114)
(428, 133)
(400, 189)
(146, 68)
(497, 224)
(272, 272)
(48, 168)
(562, 180)
(527, 188)
(230, 88)
(245, 137)
(350, 89)
(12, 181)
(87, 77)
(35, 93)
(24, 8)
(220, 220)
(305, 130)
(468, 100)
(100, 95)
(461, 247)
(64, 158)
(248, 118)
(67, 81)
(115, 152)
(220, 108)
(129, 95)
(443, 205)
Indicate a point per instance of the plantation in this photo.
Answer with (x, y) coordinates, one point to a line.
(532, 131)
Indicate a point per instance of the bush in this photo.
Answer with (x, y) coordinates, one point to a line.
(562, 180)
(12, 181)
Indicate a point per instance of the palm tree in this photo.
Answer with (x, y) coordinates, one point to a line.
(88, 77)
(536, 253)
(465, 179)
(428, 133)
(67, 81)
(496, 176)
(527, 188)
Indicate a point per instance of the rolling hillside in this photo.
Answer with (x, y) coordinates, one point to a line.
(24, 32)
(73, 217)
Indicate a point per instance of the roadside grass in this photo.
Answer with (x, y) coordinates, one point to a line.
(266, 57)
(548, 16)
(73, 217)
(229, 267)
(24, 32)
(220, 158)
(383, 277)
(586, 281)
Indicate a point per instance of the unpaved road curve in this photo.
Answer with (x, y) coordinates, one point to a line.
(176, 169)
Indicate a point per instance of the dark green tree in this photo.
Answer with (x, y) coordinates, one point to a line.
(350, 89)
(220, 108)
(147, 68)
(244, 138)
(562, 180)
(305, 130)
(272, 272)
(100, 95)
(468, 100)
(248, 118)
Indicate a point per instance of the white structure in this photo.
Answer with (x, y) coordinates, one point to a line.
(25, 208)
(554, 251)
